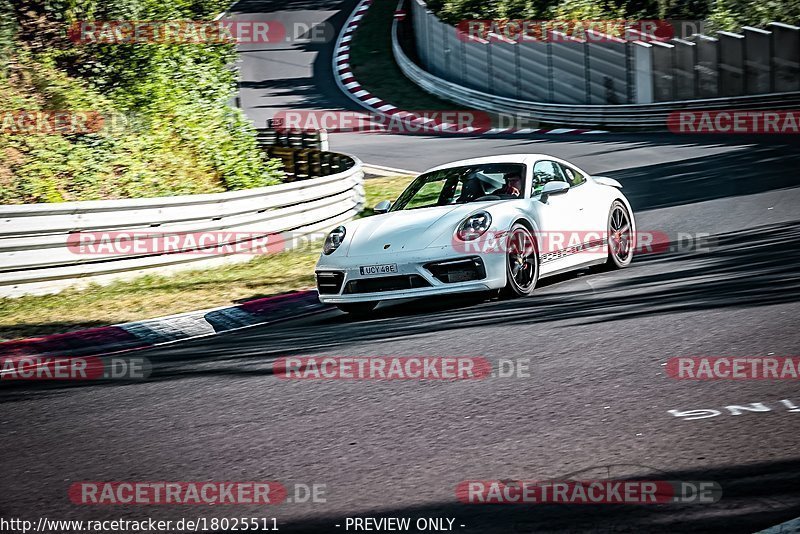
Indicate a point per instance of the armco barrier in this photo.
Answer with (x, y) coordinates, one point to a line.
(599, 69)
(35, 259)
(649, 116)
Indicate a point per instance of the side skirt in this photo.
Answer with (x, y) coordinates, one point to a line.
(572, 268)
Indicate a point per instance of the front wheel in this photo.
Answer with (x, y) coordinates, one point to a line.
(357, 308)
(522, 262)
(620, 237)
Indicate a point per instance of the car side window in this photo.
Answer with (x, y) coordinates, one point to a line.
(545, 171)
(573, 177)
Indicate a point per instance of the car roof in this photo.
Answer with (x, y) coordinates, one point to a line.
(502, 158)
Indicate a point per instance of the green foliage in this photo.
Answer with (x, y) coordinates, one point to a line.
(7, 32)
(179, 136)
(733, 14)
(586, 10)
(723, 14)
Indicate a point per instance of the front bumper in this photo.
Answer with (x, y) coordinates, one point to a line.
(422, 268)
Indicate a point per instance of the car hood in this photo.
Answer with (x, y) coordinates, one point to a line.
(409, 230)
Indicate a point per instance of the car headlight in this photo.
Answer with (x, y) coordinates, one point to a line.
(333, 240)
(474, 226)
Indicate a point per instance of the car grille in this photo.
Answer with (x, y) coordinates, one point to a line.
(460, 270)
(329, 282)
(385, 283)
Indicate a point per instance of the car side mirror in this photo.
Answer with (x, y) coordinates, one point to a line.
(553, 188)
(382, 207)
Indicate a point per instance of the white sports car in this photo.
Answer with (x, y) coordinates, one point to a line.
(491, 223)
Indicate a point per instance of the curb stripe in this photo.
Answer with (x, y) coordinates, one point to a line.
(149, 333)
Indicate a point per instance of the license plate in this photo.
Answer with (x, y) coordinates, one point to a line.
(387, 268)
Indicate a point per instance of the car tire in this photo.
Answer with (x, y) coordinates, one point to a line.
(522, 262)
(357, 309)
(620, 237)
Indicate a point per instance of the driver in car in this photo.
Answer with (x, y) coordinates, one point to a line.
(512, 187)
(476, 186)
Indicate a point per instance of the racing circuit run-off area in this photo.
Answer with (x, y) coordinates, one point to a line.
(419, 266)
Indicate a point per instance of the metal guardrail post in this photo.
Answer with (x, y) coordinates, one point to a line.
(707, 66)
(785, 57)
(757, 61)
(685, 72)
(663, 72)
(731, 64)
(643, 61)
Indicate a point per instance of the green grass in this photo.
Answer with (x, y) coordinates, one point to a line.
(373, 64)
(377, 189)
(156, 295)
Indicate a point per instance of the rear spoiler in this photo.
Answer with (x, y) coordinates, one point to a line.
(605, 180)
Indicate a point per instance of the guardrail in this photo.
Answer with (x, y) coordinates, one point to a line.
(619, 115)
(636, 67)
(35, 257)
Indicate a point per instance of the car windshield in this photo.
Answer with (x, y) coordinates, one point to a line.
(459, 185)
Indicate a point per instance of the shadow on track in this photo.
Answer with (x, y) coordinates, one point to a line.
(747, 269)
(754, 497)
(745, 172)
(276, 74)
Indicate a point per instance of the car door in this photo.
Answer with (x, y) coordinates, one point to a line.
(591, 213)
(556, 218)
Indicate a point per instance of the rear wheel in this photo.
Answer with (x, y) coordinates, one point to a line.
(620, 237)
(522, 262)
(357, 308)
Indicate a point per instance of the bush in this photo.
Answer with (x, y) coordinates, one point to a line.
(180, 135)
(723, 14)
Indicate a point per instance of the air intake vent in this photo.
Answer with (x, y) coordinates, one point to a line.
(385, 283)
(329, 282)
(459, 270)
